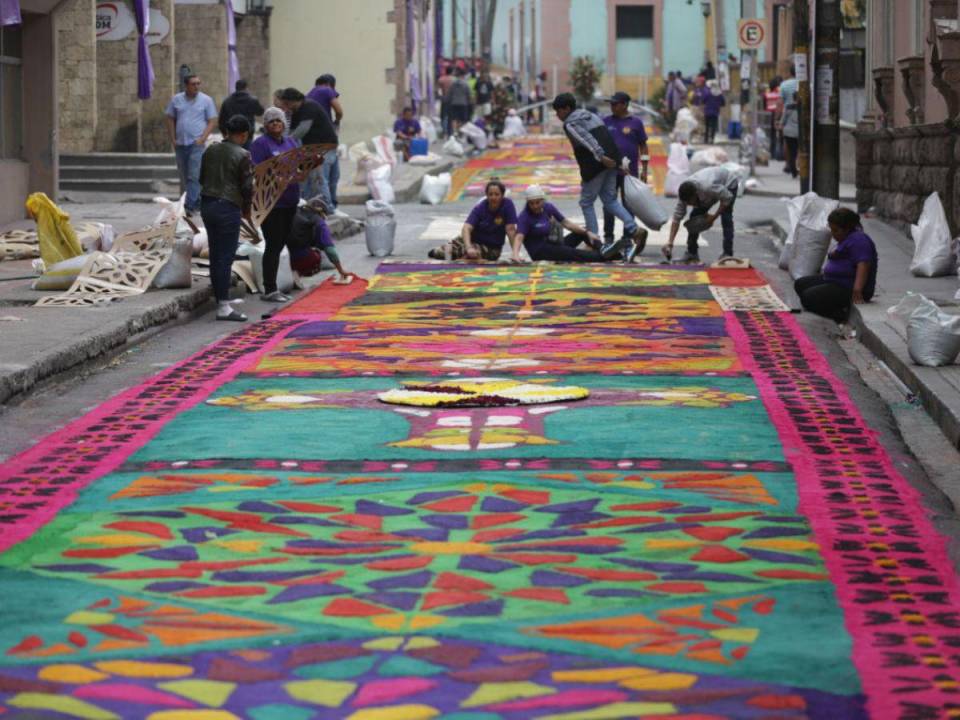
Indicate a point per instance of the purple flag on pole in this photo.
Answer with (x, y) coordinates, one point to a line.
(10, 12)
(233, 63)
(145, 76)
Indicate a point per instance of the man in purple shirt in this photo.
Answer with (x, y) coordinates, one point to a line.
(631, 138)
(326, 96)
(406, 128)
(711, 100)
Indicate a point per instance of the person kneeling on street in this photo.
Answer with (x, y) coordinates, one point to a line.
(535, 227)
(487, 228)
(226, 197)
(309, 234)
(701, 191)
(849, 275)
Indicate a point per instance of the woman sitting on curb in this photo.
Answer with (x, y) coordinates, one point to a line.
(534, 229)
(484, 233)
(849, 275)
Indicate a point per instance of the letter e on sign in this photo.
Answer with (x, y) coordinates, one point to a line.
(751, 33)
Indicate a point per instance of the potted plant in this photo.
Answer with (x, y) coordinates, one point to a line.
(585, 77)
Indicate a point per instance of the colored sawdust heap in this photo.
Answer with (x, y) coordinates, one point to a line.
(481, 392)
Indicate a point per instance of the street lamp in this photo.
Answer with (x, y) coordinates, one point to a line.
(705, 8)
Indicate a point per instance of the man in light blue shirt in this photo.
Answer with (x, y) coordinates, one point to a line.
(190, 117)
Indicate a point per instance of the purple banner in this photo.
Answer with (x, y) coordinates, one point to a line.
(145, 76)
(10, 12)
(233, 62)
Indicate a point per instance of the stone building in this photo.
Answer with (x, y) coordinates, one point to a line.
(908, 143)
(69, 80)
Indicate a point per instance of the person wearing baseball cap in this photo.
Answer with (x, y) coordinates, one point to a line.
(630, 135)
(598, 157)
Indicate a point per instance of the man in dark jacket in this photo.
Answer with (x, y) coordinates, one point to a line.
(598, 157)
(240, 103)
(310, 124)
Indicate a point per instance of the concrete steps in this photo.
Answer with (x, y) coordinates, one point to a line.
(122, 173)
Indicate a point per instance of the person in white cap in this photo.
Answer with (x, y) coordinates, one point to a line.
(536, 223)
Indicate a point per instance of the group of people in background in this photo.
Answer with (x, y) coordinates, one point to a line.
(219, 180)
(472, 95)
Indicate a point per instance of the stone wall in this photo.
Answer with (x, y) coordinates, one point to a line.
(201, 42)
(154, 133)
(118, 109)
(253, 52)
(898, 168)
(77, 58)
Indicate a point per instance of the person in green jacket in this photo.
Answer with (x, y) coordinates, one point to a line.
(226, 197)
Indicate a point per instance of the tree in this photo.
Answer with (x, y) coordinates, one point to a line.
(585, 76)
(486, 15)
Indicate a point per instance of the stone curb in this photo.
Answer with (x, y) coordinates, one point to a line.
(940, 399)
(112, 336)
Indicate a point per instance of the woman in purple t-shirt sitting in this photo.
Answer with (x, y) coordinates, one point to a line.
(487, 228)
(849, 275)
(535, 227)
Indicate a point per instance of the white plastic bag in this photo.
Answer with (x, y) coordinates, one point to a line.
(434, 188)
(476, 136)
(810, 209)
(678, 169)
(175, 273)
(513, 127)
(378, 181)
(685, 125)
(428, 129)
(933, 336)
(429, 159)
(641, 201)
(358, 151)
(381, 228)
(453, 147)
(711, 157)
(383, 145)
(254, 253)
(933, 255)
(809, 251)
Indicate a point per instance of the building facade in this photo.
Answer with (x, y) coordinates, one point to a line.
(380, 51)
(635, 42)
(908, 144)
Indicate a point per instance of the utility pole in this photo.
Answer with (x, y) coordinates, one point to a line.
(473, 28)
(801, 49)
(748, 9)
(453, 29)
(826, 105)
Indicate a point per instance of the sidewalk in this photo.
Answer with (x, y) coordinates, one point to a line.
(774, 182)
(938, 389)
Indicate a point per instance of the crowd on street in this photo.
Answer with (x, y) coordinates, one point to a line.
(611, 152)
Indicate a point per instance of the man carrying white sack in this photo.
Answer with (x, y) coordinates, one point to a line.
(630, 135)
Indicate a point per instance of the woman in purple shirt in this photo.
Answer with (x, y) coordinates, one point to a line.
(534, 228)
(849, 275)
(276, 226)
(483, 235)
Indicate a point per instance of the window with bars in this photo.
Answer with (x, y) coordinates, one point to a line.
(11, 93)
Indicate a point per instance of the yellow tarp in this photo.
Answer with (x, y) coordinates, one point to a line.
(57, 239)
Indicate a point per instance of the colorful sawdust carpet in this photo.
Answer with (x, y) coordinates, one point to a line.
(544, 160)
(712, 532)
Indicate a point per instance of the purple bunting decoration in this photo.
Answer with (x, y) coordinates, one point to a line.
(10, 12)
(145, 76)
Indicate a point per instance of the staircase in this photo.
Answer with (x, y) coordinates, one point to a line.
(119, 173)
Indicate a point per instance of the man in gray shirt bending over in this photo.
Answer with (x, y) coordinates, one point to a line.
(702, 190)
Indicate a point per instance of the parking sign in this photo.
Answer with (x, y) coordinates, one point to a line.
(751, 33)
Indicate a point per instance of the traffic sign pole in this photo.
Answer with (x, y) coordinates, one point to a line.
(752, 33)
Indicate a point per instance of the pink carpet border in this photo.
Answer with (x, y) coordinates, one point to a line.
(74, 431)
(888, 686)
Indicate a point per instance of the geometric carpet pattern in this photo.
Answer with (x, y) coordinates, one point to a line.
(543, 160)
(713, 532)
